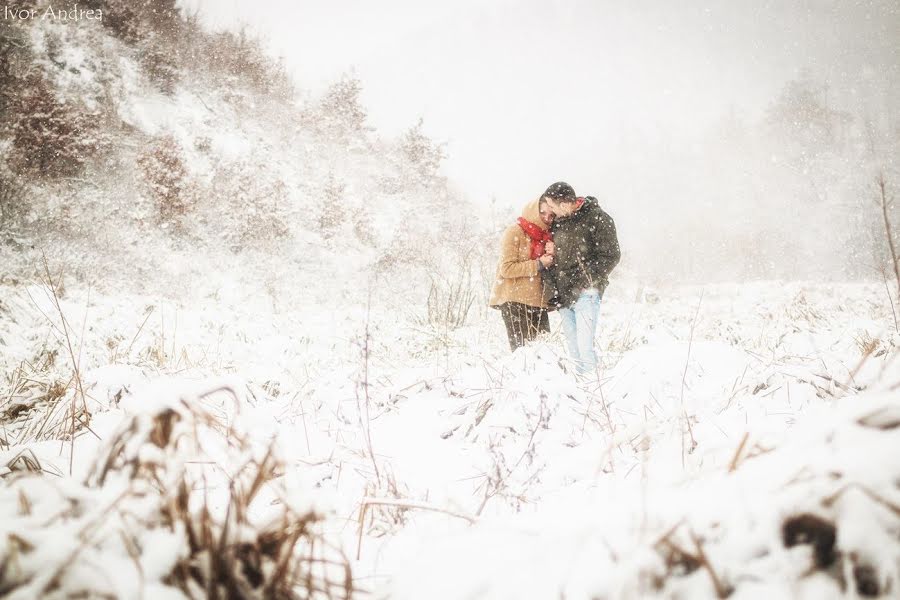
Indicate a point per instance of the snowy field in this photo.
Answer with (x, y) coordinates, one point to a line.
(266, 368)
(739, 441)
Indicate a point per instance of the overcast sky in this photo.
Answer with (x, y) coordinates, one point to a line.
(526, 92)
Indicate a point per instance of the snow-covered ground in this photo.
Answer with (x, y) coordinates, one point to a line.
(731, 430)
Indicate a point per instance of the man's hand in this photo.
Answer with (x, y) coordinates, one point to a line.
(550, 248)
(546, 260)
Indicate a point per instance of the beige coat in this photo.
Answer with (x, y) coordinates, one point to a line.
(518, 279)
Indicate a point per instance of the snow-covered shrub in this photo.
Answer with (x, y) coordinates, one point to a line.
(50, 137)
(815, 516)
(162, 14)
(338, 115)
(123, 19)
(268, 217)
(423, 156)
(330, 221)
(450, 298)
(247, 205)
(203, 144)
(164, 174)
(364, 226)
(132, 21)
(81, 78)
(239, 58)
(177, 503)
(154, 28)
(160, 63)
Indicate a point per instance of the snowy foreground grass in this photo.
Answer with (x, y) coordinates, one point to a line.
(739, 441)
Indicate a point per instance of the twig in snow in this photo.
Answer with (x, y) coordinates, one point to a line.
(885, 202)
(891, 506)
(737, 453)
(684, 378)
(722, 590)
(141, 328)
(68, 338)
(690, 343)
(851, 378)
(134, 554)
(368, 501)
(687, 420)
(305, 430)
(606, 413)
(890, 299)
(366, 429)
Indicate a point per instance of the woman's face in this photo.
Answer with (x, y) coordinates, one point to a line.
(560, 209)
(546, 214)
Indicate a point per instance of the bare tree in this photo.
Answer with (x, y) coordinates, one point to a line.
(885, 203)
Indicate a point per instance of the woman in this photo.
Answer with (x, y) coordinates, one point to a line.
(526, 250)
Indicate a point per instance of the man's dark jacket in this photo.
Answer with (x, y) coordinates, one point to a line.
(587, 250)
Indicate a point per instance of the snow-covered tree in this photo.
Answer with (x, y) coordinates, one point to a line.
(339, 114)
(422, 154)
(330, 221)
(247, 205)
(164, 174)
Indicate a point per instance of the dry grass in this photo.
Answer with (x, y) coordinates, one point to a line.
(866, 343)
(450, 299)
(279, 562)
(40, 405)
(162, 457)
(800, 309)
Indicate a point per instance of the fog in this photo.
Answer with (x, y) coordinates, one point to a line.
(259, 338)
(659, 109)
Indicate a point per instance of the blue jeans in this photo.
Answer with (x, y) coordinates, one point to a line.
(579, 322)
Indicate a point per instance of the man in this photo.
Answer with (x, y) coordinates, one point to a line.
(587, 250)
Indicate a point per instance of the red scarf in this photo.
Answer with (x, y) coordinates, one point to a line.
(538, 237)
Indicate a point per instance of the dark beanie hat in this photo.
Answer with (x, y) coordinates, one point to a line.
(560, 191)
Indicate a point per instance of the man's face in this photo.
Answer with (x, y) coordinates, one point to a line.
(561, 209)
(546, 213)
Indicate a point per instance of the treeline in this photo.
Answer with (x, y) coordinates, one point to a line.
(789, 193)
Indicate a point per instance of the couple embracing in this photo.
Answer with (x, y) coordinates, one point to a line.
(557, 256)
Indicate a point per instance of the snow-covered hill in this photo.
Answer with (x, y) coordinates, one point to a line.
(145, 157)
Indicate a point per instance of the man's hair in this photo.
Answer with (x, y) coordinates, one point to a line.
(560, 192)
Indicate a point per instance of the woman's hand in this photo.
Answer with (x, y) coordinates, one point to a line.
(546, 260)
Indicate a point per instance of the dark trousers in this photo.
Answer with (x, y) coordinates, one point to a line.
(523, 322)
